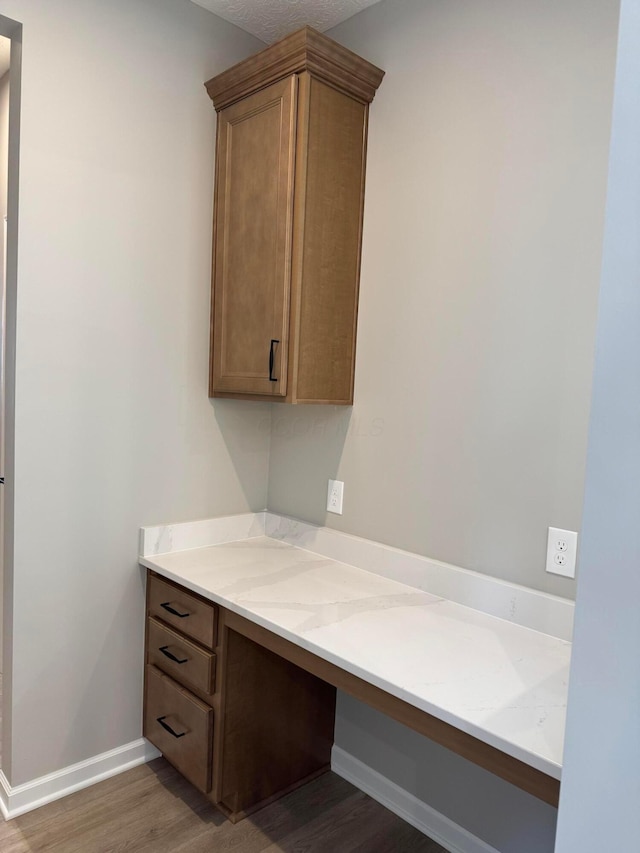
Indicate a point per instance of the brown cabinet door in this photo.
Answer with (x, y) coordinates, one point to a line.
(252, 242)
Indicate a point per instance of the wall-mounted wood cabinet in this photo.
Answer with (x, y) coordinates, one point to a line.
(290, 166)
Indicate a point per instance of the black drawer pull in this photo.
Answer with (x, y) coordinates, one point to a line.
(272, 378)
(166, 726)
(168, 654)
(167, 606)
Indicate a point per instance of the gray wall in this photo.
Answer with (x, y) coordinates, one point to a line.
(486, 184)
(4, 166)
(601, 783)
(114, 428)
(4, 155)
(483, 228)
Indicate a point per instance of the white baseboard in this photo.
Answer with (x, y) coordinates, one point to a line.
(445, 832)
(17, 800)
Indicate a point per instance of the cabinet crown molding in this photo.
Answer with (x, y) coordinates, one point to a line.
(303, 50)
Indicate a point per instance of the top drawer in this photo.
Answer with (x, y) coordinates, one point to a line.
(183, 610)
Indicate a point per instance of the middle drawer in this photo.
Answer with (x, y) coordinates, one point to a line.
(180, 658)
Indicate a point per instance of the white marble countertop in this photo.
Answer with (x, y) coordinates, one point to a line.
(498, 681)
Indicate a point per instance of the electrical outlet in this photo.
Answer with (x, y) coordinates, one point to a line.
(562, 548)
(334, 496)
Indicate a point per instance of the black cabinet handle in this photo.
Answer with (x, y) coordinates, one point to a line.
(167, 606)
(168, 654)
(272, 378)
(166, 726)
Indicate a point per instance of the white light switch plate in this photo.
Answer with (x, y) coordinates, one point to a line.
(562, 549)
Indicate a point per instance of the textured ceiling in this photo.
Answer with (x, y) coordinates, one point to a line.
(270, 20)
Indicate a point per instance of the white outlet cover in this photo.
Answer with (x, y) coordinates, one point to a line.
(562, 550)
(334, 496)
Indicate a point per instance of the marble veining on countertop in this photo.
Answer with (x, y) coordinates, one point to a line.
(498, 681)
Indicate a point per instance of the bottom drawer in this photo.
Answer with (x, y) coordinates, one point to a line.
(180, 726)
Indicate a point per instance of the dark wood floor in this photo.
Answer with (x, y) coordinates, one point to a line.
(151, 809)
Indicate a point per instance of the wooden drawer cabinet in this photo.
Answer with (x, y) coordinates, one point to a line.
(218, 706)
(181, 726)
(290, 164)
(180, 658)
(182, 610)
